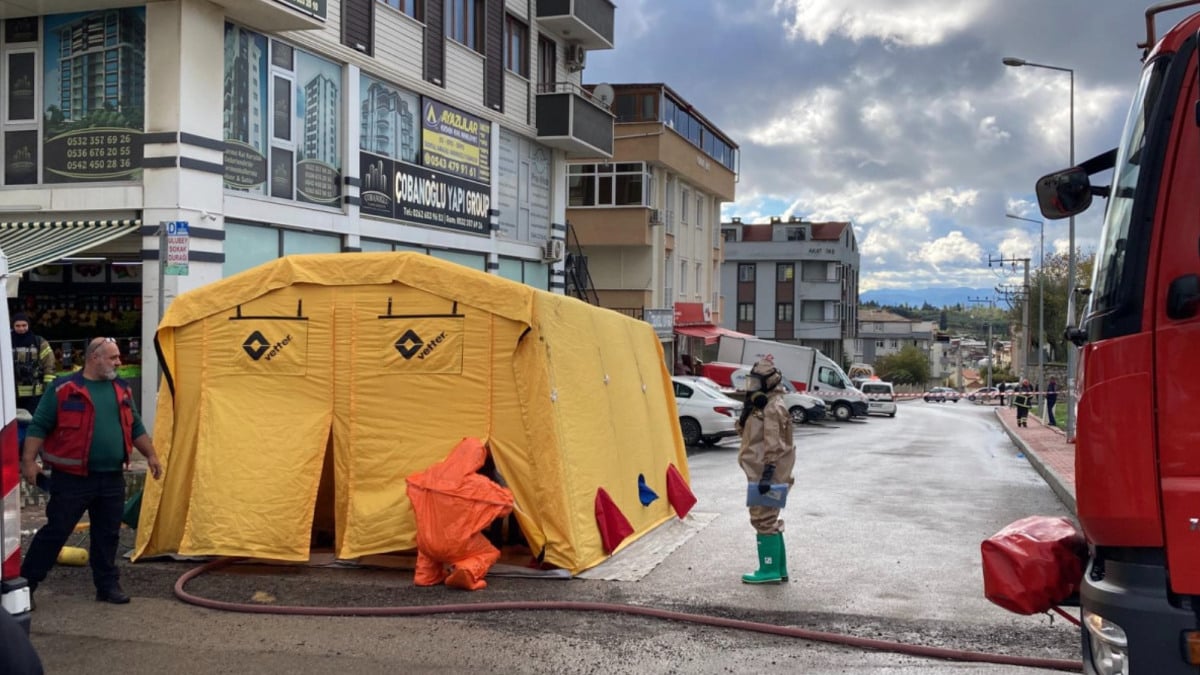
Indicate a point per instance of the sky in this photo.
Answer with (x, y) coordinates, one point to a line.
(898, 115)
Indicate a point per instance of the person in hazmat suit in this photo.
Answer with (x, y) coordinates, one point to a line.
(767, 456)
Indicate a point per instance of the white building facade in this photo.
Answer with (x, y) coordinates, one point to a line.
(275, 127)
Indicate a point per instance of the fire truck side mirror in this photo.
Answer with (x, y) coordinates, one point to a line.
(1064, 193)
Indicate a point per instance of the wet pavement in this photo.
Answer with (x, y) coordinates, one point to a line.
(1047, 449)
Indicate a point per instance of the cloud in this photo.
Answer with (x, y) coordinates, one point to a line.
(900, 22)
(952, 250)
(897, 115)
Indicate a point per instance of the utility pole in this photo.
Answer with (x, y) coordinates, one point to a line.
(991, 350)
(1024, 295)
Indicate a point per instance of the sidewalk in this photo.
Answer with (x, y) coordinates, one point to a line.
(1048, 451)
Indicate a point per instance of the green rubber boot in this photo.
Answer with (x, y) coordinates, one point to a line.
(783, 574)
(768, 572)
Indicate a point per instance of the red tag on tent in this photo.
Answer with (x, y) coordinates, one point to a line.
(614, 526)
(679, 495)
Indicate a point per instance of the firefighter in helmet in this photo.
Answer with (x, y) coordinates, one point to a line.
(33, 363)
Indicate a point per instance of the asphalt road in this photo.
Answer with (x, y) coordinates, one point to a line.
(883, 533)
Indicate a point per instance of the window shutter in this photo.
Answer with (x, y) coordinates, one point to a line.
(493, 95)
(435, 42)
(358, 25)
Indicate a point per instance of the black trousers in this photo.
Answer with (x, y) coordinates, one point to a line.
(102, 496)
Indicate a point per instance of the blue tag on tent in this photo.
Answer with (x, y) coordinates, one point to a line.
(645, 494)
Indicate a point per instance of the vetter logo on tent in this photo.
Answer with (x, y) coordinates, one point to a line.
(257, 345)
(410, 345)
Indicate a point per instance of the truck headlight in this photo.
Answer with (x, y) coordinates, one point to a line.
(1110, 647)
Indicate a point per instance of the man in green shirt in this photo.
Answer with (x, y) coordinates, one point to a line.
(84, 428)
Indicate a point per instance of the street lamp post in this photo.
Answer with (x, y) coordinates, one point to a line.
(1015, 62)
(1041, 297)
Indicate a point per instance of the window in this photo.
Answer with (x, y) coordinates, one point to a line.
(784, 311)
(699, 211)
(516, 46)
(636, 107)
(683, 278)
(830, 377)
(464, 22)
(623, 184)
(547, 61)
(685, 197)
(413, 8)
(745, 272)
(745, 311)
(699, 279)
(729, 235)
(795, 234)
(785, 273)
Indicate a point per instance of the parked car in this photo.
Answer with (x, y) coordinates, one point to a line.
(706, 415)
(984, 395)
(881, 398)
(941, 395)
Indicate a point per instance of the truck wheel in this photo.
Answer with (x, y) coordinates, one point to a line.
(690, 429)
(799, 414)
(842, 412)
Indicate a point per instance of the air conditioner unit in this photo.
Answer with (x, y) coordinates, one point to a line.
(655, 217)
(576, 57)
(554, 250)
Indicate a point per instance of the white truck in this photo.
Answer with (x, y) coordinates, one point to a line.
(14, 592)
(810, 371)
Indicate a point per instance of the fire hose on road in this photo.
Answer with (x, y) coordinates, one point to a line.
(614, 608)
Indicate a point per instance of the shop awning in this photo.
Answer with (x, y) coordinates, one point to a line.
(709, 332)
(32, 244)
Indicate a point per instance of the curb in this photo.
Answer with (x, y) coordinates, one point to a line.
(1055, 481)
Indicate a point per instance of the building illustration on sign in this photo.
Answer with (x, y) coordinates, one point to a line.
(321, 120)
(389, 124)
(100, 64)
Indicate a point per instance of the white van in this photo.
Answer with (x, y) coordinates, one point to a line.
(881, 398)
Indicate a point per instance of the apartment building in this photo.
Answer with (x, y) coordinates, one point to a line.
(645, 224)
(245, 130)
(883, 333)
(793, 281)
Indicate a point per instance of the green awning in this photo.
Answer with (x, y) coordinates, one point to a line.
(32, 244)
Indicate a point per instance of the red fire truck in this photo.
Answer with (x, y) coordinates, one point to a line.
(14, 594)
(1138, 415)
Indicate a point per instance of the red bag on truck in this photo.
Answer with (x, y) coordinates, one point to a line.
(1033, 564)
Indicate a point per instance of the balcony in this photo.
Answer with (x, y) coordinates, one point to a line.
(570, 119)
(588, 22)
(276, 15)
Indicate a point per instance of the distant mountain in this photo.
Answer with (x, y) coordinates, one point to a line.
(935, 296)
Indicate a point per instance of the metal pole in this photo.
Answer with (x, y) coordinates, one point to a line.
(1042, 316)
(1071, 349)
(1071, 319)
(1025, 321)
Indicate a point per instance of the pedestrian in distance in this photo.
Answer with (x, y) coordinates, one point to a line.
(1023, 400)
(1001, 389)
(33, 363)
(767, 456)
(84, 429)
(1051, 399)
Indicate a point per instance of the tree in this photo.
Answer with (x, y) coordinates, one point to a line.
(908, 366)
(1054, 275)
(943, 321)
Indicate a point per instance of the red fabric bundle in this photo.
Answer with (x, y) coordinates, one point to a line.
(1033, 564)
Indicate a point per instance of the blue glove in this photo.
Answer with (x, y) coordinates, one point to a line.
(764, 483)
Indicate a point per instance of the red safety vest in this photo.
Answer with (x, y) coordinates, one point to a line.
(69, 444)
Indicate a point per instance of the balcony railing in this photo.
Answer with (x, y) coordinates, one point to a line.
(588, 22)
(571, 119)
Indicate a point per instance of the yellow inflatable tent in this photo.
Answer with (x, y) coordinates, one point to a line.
(297, 396)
